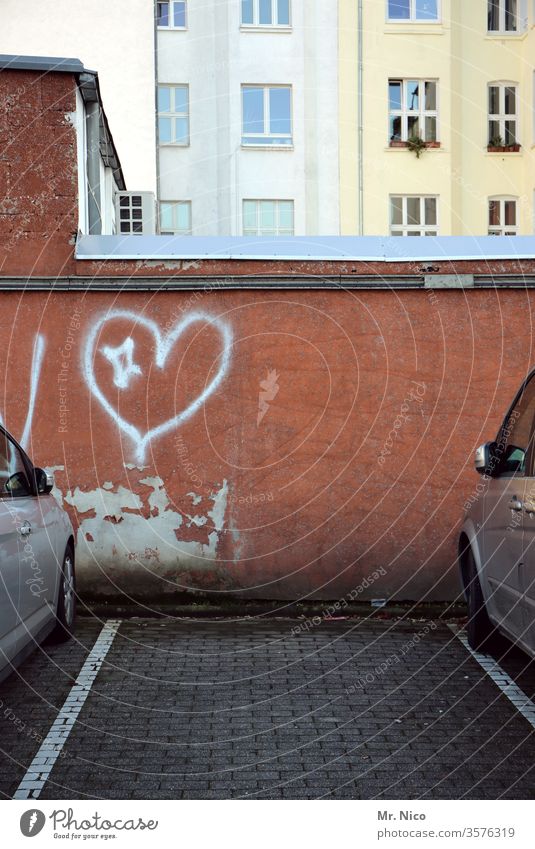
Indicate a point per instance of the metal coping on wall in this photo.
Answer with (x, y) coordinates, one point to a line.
(211, 283)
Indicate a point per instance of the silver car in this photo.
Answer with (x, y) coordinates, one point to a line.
(37, 593)
(497, 541)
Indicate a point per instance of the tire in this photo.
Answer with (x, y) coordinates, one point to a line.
(480, 630)
(66, 608)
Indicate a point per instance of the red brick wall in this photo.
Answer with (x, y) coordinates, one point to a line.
(38, 173)
(373, 402)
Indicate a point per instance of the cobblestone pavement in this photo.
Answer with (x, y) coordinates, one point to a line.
(273, 709)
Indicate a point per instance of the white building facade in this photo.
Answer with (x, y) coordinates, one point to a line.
(248, 117)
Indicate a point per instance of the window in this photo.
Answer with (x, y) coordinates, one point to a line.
(503, 217)
(502, 115)
(412, 109)
(413, 10)
(502, 15)
(266, 115)
(135, 212)
(413, 216)
(513, 442)
(268, 217)
(14, 481)
(173, 114)
(265, 13)
(171, 15)
(175, 218)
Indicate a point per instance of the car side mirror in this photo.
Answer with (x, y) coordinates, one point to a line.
(44, 481)
(486, 458)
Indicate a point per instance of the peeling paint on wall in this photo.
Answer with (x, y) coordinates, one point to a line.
(125, 529)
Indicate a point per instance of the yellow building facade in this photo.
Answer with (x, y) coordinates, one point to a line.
(437, 129)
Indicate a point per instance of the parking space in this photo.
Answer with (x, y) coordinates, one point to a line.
(272, 709)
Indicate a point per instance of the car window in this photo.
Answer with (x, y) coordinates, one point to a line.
(513, 441)
(14, 481)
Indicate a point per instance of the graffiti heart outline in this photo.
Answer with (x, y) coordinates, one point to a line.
(164, 344)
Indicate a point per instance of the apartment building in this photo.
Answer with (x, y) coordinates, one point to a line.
(300, 117)
(443, 141)
(248, 117)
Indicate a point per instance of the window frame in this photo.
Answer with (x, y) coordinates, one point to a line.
(172, 114)
(501, 117)
(422, 113)
(401, 229)
(175, 204)
(501, 30)
(277, 202)
(528, 471)
(28, 467)
(256, 25)
(169, 26)
(412, 19)
(258, 143)
(502, 200)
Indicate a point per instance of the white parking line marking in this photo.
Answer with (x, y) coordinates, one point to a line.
(516, 696)
(40, 768)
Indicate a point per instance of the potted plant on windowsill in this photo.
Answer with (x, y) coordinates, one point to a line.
(497, 145)
(416, 145)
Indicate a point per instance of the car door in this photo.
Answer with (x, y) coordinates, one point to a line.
(36, 527)
(504, 515)
(9, 582)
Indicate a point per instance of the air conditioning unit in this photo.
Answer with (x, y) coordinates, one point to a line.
(135, 213)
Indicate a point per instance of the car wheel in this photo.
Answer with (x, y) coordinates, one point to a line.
(479, 628)
(66, 609)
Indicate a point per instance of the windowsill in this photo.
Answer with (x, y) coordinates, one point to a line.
(276, 147)
(505, 36)
(265, 28)
(173, 29)
(514, 153)
(173, 144)
(403, 146)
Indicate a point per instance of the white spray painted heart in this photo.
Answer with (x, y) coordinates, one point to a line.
(164, 345)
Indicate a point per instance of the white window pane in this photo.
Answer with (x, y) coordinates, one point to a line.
(494, 213)
(253, 110)
(264, 12)
(286, 215)
(510, 15)
(166, 216)
(164, 99)
(510, 132)
(279, 111)
(510, 100)
(494, 100)
(267, 215)
(164, 125)
(413, 211)
(510, 213)
(180, 14)
(394, 94)
(430, 210)
(396, 210)
(413, 126)
(247, 15)
(181, 130)
(181, 99)
(183, 211)
(431, 96)
(426, 10)
(249, 215)
(399, 9)
(413, 95)
(430, 129)
(493, 7)
(283, 13)
(163, 14)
